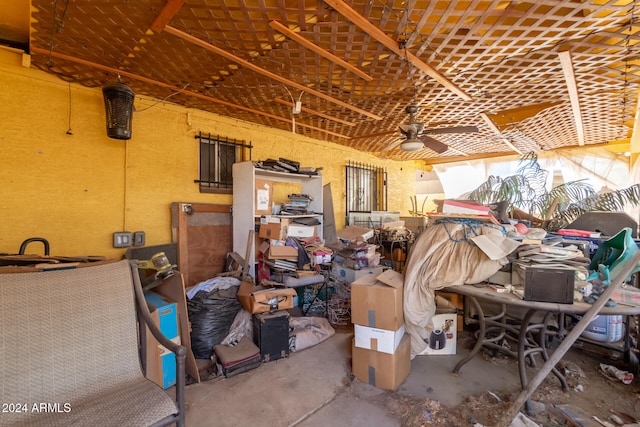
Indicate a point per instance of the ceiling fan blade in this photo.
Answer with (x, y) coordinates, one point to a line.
(433, 144)
(452, 129)
(393, 145)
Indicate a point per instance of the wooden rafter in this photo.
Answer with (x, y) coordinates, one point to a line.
(133, 76)
(360, 21)
(315, 113)
(634, 144)
(376, 134)
(496, 131)
(166, 14)
(572, 87)
(504, 118)
(211, 48)
(317, 49)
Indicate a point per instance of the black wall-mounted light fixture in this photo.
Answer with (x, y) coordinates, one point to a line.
(118, 104)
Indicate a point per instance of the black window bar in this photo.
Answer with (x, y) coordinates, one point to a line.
(366, 189)
(217, 156)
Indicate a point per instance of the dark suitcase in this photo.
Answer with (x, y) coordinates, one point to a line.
(243, 356)
(271, 334)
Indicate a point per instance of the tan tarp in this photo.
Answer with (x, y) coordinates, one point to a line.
(444, 256)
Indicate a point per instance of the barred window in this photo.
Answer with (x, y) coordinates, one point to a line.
(217, 155)
(366, 188)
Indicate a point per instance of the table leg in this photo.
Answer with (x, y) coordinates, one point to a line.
(543, 345)
(540, 347)
(479, 341)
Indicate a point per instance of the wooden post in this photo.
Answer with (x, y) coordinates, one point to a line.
(564, 346)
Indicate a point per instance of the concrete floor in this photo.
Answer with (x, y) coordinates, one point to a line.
(314, 387)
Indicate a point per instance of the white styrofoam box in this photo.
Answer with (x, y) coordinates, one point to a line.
(296, 230)
(442, 340)
(377, 339)
(350, 275)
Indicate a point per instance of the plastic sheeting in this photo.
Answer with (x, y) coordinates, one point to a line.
(211, 315)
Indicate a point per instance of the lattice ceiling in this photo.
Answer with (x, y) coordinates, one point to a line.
(346, 61)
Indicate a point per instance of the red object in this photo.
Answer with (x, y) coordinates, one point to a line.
(575, 233)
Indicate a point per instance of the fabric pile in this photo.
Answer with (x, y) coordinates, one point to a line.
(445, 255)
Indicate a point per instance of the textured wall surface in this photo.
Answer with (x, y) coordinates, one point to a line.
(63, 179)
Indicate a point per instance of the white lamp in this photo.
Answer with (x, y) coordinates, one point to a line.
(413, 144)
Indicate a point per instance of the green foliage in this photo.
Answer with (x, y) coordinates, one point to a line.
(526, 190)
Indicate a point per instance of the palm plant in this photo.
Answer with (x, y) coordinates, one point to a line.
(526, 190)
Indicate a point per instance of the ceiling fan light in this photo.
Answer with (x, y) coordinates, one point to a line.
(412, 145)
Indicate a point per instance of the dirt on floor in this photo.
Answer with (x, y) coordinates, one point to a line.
(590, 394)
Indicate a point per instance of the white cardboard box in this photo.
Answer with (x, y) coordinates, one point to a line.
(296, 230)
(442, 340)
(378, 339)
(349, 275)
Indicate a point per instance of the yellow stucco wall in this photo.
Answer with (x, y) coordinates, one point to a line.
(64, 180)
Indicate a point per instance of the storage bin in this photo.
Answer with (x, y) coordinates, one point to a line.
(604, 328)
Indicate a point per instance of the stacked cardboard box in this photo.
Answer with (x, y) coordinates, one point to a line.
(160, 362)
(381, 352)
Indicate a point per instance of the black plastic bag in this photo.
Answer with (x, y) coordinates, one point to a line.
(211, 315)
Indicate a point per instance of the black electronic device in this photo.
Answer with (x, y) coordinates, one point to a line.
(545, 284)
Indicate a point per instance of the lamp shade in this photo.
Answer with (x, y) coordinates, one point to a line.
(118, 104)
(412, 145)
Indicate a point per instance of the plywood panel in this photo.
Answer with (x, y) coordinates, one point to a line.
(204, 234)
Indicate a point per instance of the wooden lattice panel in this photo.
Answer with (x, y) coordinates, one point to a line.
(504, 54)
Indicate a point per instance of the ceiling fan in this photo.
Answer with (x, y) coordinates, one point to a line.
(416, 137)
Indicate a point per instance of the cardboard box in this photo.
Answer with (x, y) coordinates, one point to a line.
(378, 339)
(274, 230)
(354, 233)
(382, 370)
(376, 301)
(258, 299)
(263, 198)
(350, 275)
(173, 289)
(160, 362)
(443, 338)
(282, 252)
(302, 231)
(458, 301)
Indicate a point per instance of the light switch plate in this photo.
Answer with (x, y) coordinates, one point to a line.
(122, 239)
(138, 238)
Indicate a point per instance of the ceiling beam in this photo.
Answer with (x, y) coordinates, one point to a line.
(361, 22)
(211, 48)
(317, 49)
(634, 143)
(572, 87)
(373, 135)
(442, 160)
(504, 118)
(133, 76)
(315, 113)
(496, 131)
(166, 14)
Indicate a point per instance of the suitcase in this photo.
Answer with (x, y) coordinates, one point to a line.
(242, 357)
(271, 334)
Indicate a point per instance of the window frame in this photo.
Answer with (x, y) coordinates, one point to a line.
(211, 178)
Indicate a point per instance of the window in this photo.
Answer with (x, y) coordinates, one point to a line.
(217, 155)
(366, 188)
